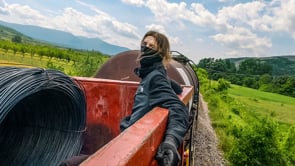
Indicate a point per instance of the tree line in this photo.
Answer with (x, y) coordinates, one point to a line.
(252, 73)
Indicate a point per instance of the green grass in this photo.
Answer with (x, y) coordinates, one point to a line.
(18, 60)
(85, 64)
(280, 107)
(233, 111)
(245, 118)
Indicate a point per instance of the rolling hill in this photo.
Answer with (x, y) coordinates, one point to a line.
(8, 33)
(65, 39)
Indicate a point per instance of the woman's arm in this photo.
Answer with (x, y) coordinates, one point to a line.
(161, 94)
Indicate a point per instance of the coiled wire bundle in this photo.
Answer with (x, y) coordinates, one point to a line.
(42, 116)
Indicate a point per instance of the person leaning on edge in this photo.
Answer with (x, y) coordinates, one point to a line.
(155, 89)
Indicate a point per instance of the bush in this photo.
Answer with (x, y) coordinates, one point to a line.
(223, 85)
(257, 145)
(289, 145)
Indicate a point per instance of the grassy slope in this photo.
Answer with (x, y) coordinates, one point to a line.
(241, 107)
(281, 108)
(7, 33)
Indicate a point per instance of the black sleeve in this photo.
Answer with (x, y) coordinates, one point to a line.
(176, 87)
(161, 94)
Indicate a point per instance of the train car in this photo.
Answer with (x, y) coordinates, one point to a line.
(47, 117)
(121, 67)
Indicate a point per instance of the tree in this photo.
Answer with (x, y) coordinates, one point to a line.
(230, 67)
(250, 82)
(265, 83)
(253, 66)
(16, 39)
(289, 87)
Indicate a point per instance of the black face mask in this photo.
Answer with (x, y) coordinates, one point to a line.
(146, 51)
(149, 56)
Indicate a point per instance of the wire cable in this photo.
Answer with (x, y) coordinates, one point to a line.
(42, 116)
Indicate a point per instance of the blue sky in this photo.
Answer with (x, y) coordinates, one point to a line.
(197, 29)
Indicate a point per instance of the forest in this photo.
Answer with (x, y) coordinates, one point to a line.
(276, 75)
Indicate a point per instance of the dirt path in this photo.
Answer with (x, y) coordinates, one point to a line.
(206, 152)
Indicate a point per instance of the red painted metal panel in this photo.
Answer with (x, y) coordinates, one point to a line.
(108, 101)
(137, 145)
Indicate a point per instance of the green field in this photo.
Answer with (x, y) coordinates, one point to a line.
(86, 64)
(19, 50)
(253, 127)
(280, 107)
(26, 60)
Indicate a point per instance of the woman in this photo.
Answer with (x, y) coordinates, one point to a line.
(156, 90)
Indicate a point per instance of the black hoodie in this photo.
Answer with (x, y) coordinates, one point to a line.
(155, 90)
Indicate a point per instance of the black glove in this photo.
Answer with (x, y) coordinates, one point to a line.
(167, 154)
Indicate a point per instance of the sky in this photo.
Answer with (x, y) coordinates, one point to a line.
(197, 29)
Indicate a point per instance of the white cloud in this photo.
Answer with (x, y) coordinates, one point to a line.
(134, 2)
(229, 23)
(99, 25)
(234, 26)
(167, 12)
(109, 28)
(161, 29)
(20, 13)
(242, 28)
(242, 12)
(283, 17)
(243, 42)
(201, 16)
(274, 16)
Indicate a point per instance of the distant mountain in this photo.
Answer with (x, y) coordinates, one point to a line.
(281, 65)
(65, 39)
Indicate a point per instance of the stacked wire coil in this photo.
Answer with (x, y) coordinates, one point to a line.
(42, 116)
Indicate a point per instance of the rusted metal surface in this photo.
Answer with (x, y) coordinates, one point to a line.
(108, 101)
(121, 67)
(137, 145)
(110, 98)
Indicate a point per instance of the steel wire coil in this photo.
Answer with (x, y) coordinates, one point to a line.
(42, 116)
